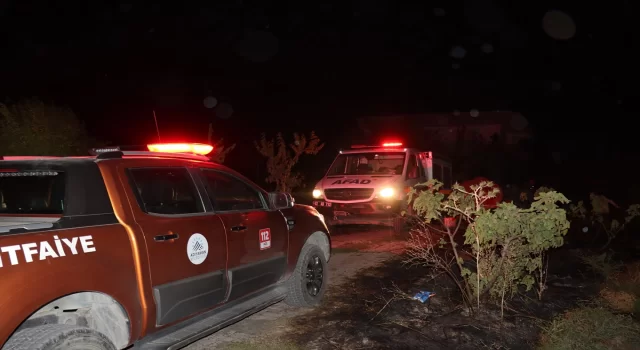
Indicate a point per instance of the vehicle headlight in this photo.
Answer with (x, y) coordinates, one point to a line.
(387, 192)
(317, 193)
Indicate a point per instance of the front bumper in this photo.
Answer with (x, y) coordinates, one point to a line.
(377, 220)
(363, 213)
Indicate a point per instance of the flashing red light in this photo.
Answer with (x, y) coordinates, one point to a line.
(392, 144)
(194, 148)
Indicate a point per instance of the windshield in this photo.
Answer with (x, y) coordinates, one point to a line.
(371, 163)
(31, 192)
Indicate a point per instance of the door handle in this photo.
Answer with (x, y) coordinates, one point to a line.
(165, 238)
(238, 228)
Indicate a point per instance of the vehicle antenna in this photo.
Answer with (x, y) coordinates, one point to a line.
(157, 128)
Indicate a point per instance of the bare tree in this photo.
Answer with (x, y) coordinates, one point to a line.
(220, 152)
(281, 158)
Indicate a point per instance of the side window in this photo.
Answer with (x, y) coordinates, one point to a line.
(228, 193)
(167, 191)
(412, 167)
(32, 192)
(446, 179)
(437, 171)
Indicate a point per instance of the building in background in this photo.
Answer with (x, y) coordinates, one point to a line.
(485, 143)
(449, 129)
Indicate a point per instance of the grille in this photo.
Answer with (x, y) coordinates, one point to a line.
(348, 194)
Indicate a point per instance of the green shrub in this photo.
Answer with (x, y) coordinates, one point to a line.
(507, 244)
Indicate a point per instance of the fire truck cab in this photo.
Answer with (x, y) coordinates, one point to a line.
(367, 185)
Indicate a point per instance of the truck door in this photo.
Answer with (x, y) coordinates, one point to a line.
(258, 237)
(427, 164)
(186, 245)
(414, 172)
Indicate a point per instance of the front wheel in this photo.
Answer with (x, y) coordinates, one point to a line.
(400, 226)
(308, 282)
(58, 337)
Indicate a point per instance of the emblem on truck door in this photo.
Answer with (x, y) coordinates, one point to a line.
(197, 248)
(265, 238)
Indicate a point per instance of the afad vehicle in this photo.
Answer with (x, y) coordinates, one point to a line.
(367, 185)
(146, 249)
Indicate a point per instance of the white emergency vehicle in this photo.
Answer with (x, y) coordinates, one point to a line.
(367, 185)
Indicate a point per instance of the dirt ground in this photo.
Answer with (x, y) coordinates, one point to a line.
(354, 250)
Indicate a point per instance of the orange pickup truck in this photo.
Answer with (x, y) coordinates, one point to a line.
(146, 250)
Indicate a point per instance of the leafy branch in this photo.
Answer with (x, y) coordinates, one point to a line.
(603, 217)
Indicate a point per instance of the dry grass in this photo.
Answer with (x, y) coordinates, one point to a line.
(602, 264)
(628, 277)
(622, 290)
(262, 345)
(599, 327)
(618, 300)
(591, 328)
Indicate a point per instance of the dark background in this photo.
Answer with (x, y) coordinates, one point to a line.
(311, 65)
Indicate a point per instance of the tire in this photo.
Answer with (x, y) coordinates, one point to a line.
(400, 226)
(59, 337)
(300, 290)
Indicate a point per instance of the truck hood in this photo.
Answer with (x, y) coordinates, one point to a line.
(358, 181)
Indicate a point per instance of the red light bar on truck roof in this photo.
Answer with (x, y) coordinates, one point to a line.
(173, 150)
(384, 145)
(194, 148)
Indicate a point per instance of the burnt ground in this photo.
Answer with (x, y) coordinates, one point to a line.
(354, 250)
(367, 305)
(372, 310)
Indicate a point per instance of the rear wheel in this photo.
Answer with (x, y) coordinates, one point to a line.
(400, 226)
(308, 282)
(59, 337)
(402, 221)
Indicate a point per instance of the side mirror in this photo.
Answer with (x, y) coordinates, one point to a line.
(281, 200)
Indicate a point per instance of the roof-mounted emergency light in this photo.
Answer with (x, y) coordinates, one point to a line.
(384, 145)
(194, 148)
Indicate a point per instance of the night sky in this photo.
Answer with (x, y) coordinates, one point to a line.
(569, 67)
